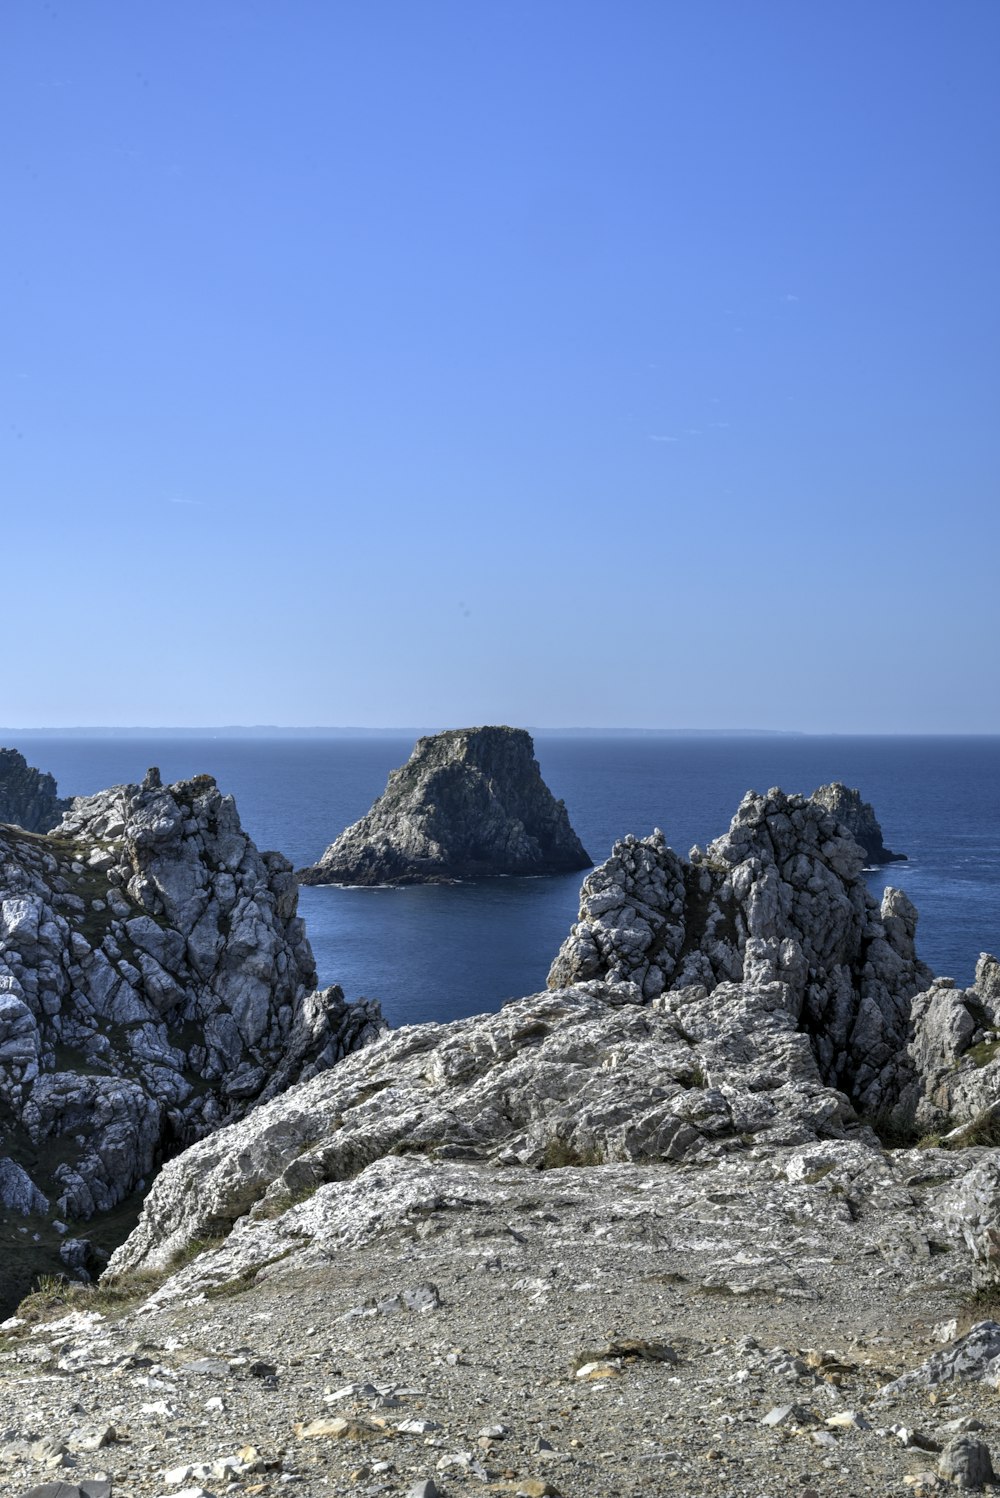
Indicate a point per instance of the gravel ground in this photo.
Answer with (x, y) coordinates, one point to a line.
(548, 1350)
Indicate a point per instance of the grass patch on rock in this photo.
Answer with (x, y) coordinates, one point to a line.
(560, 1153)
(55, 1297)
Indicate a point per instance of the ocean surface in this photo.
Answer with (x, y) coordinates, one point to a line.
(439, 952)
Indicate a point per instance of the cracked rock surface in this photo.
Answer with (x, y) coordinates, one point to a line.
(780, 897)
(155, 982)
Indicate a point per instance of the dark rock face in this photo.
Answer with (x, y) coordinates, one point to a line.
(28, 796)
(859, 818)
(468, 804)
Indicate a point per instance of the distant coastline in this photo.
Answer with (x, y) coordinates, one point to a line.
(274, 731)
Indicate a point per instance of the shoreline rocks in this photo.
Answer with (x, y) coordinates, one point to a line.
(155, 982)
(779, 898)
(631, 1234)
(468, 804)
(28, 797)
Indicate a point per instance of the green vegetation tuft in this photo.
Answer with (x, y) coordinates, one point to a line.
(982, 1054)
(559, 1153)
(194, 1250)
(54, 1296)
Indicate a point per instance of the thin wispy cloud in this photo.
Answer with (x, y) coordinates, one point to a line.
(654, 438)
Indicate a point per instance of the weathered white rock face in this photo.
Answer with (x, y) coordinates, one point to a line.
(731, 1194)
(754, 996)
(467, 804)
(155, 981)
(28, 796)
(953, 1058)
(780, 897)
(582, 1075)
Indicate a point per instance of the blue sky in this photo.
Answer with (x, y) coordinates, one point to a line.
(552, 363)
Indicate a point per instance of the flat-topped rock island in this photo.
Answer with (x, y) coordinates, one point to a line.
(468, 804)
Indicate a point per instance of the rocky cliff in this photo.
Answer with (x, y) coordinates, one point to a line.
(467, 804)
(155, 982)
(28, 796)
(754, 995)
(859, 818)
(780, 897)
(632, 1234)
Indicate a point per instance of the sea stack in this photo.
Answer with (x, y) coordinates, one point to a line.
(469, 803)
(859, 818)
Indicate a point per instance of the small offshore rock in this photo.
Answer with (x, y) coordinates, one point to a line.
(469, 803)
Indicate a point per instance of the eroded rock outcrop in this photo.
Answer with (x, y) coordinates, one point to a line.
(780, 897)
(584, 1075)
(468, 803)
(754, 995)
(155, 982)
(859, 818)
(28, 797)
(952, 1061)
(664, 1154)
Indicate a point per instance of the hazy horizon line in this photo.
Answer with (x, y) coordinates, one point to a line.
(261, 730)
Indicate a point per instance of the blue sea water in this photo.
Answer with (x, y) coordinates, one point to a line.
(438, 952)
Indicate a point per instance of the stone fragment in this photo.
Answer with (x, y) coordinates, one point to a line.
(337, 1429)
(792, 1414)
(594, 1370)
(847, 1420)
(975, 1357)
(967, 1463)
(96, 1439)
(426, 1487)
(50, 1451)
(94, 1488)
